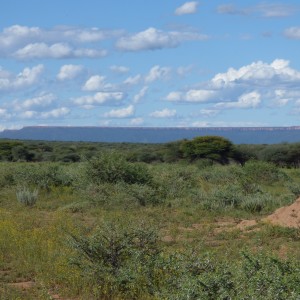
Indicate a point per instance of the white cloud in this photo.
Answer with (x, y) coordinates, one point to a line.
(199, 95)
(43, 100)
(192, 95)
(100, 98)
(153, 39)
(58, 50)
(24, 42)
(141, 94)
(277, 84)
(164, 113)
(29, 114)
(187, 8)
(119, 69)
(133, 80)
(249, 100)
(156, 73)
(4, 114)
(89, 53)
(121, 113)
(55, 113)
(174, 96)
(258, 73)
(67, 72)
(292, 33)
(208, 112)
(136, 121)
(94, 83)
(41, 50)
(28, 77)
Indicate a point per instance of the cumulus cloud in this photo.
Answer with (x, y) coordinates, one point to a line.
(121, 113)
(187, 8)
(249, 100)
(26, 78)
(58, 51)
(55, 113)
(24, 42)
(140, 95)
(164, 113)
(247, 87)
(119, 69)
(94, 83)
(4, 114)
(258, 73)
(67, 72)
(43, 100)
(28, 114)
(157, 72)
(133, 80)
(100, 98)
(136, 121)
(192, 95)
(292, 33)
(153, 39)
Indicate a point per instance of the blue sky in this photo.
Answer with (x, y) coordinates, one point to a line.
(149, 63)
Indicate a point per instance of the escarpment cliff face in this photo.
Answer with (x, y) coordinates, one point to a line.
(238, 135)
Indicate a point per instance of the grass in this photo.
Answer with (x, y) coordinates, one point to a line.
(191, 215)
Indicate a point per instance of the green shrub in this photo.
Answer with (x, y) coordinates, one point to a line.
(117, 259)
(26, 196)
(263, 172)
(294, 188)
(43, 175)
(146, 195)
(222, 197)
(257, 202)
(113, 168)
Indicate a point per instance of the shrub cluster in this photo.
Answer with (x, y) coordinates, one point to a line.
(130, 263)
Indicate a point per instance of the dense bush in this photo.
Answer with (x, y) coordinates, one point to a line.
(113, 168)
(131, 263)
(209, 147)
(42, 175)
(117, 259)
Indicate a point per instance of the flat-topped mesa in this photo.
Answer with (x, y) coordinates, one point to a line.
(238, 135)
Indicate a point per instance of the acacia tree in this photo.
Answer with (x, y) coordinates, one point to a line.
(210, 147)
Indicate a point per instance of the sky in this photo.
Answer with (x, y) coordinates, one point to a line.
(158, 63)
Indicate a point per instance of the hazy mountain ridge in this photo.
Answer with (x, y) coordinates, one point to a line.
(238, 135)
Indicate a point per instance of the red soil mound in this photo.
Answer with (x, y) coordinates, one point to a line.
(287, 216)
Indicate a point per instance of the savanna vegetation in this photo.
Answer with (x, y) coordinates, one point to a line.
(125, 221)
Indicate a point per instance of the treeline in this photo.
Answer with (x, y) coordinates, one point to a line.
(205, 150)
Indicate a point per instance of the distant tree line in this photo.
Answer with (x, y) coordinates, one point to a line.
(205, 150)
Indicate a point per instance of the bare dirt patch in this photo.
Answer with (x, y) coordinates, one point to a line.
(287, 216)
(24, 285)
